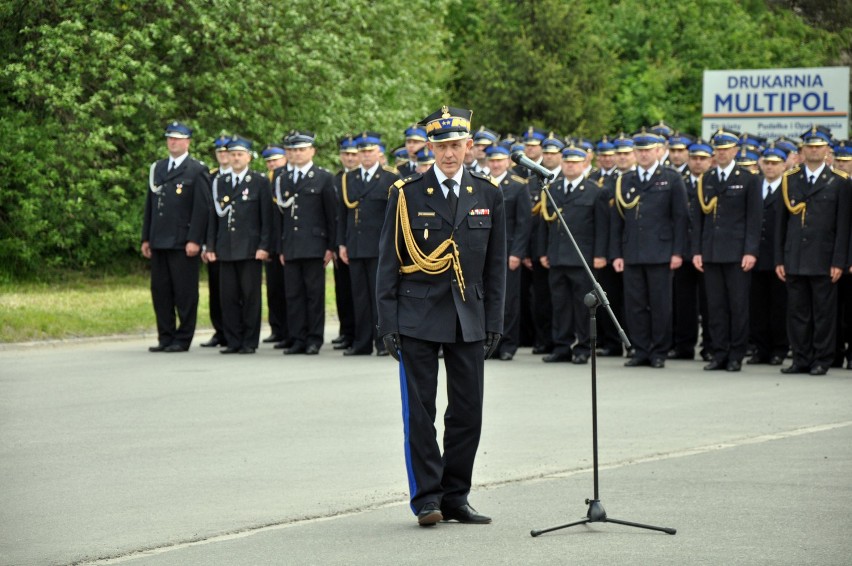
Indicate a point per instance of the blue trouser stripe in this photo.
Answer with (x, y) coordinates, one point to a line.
(403, 387)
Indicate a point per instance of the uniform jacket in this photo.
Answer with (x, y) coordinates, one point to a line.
(427, 306)
(655, 229)
(814, 244)
(308, 213)
(537, 225)
(176, 205)
(242, 217)
(766, 256)
(585, 210)
(359, 228)
(516, 203)
(406, 169)
(733, 229)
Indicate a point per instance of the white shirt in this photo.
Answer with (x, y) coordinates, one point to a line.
(571, 185)
(457, 178)
(773, 186)
(499, 179)
(303, 170)
(367, 174)
(238, 177)
(815, 174)
(650, 171)
(177, 160)
(727, 170)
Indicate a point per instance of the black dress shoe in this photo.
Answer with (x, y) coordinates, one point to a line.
(172, 348)
(246, 350)
(212, 343)
(734, 365)
(465, 514)
(429, 516)
(157, 348)
(848, 364)
(636, 362)
(345, 345)
(795, 369)
(658, 363)
(339, 339)
(819, 370)
(354, 352)
(756, 359)
(312, 350)
(505, 356)
(537, 350)
(382, 353)
(716, 365)
(283, 344)
(230, 350)
(776, 361)
(706, 356)
(556, 357)
(272, 338)
(680, 355)
(580, 359)
(610, 353)
(295, 349)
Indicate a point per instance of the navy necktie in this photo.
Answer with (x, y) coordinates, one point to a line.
(452, 199)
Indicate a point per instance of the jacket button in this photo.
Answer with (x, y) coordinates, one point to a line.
(295, 228)
(408, 291)
(295, 218)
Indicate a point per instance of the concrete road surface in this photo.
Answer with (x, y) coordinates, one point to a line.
(110, 454)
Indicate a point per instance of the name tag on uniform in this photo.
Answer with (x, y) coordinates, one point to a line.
(429, 214)
(480, 212)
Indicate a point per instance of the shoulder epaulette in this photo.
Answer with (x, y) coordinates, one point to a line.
(214, 170)
(519, 179)
(399, 183)
(792, 171)
(485, 177)
(841, 173)
(390, 169)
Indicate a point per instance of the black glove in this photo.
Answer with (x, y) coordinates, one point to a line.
(392, 342)
(492, 340)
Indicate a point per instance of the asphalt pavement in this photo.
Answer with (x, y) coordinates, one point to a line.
(110, 454)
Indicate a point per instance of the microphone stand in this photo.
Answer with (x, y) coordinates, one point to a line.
(594, 299)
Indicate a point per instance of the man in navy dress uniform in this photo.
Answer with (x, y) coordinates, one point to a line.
(173, 230)
(441, 282)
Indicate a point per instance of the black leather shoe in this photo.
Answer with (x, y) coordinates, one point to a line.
(246, 350)
(819, 370)
(465, 514)
(580, 359)
(610, 353)
(706, 356)
(555, 357)
(272, 338)
(230, 350)
(756, 359)
(734, 365)
(339, 339)
(848, 364)
(505, 356)
(382, 353)
(212, 343)
(312, 350)
(172, 348)
(776, 361)
(658, 363)
(680, 355)
(429, 516)
(537, 350)
(354, 352)
(715, 365)
(345, 345)
(636, 362)
(283, 344)
(157, 348)
(795, 369)
(295, 349)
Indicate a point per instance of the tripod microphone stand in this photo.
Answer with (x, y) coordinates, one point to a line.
(597, 297)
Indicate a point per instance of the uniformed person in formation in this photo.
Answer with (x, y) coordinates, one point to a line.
(585, 209)
(648, 242)
(173, 229)
(276, 298)
(223, 160)
(415, 140)
(518, 212)
(843, 162)
(725, 243)
(364, 198)
(811, 246)
(349, 161)
(768, 300)
(307, 204)
(482, 140)
(425, 160)
(240, 240)
(441, 281)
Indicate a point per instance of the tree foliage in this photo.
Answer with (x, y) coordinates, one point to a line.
(87, 87)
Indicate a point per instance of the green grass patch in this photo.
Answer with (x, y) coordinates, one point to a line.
(79, 306)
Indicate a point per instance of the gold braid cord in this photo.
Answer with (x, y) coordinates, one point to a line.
(536, 210)
(544, 214)
(794, 210)
(619, 199)
(346, 200)
(436, 262)
(707, 207)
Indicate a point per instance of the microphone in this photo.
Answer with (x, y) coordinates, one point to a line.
(525, 161)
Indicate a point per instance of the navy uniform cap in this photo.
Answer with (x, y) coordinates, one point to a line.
(605, 147)
(574, 153)
(447, 124)
(843, 151)
(425, 157)
(534, 136)
(497, 151)
(680, 141)
(221, 143)
(484, 136)
(817, 135)
(300, 138)
(724, 139)
(773, 153)
(701, 149)
(238, 143)
(415, 132)
(178, 130)
(368, 140)
(347, 144)
(272, 152)
(661, 129)
(787, 145)
(552, 144)
(746, 157)
(400, 153)
(623, 144)
(644, 139)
